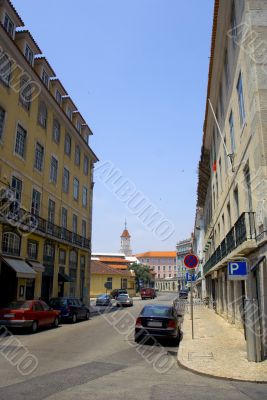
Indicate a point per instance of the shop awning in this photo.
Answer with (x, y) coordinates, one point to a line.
(64, 277)
(22, 269)
(38, 267)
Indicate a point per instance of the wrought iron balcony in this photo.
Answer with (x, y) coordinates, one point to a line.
(27, 222)
(243, 230)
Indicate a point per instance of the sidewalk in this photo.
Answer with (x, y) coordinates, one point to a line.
(219, 349)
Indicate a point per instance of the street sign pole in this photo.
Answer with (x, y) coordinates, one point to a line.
(191, 262)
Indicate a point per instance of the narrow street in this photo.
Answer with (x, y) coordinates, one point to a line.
(92, 360)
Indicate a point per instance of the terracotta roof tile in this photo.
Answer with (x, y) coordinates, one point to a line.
(150, 254)
(97, 267)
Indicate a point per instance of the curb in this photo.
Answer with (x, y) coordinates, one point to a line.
(224, 378)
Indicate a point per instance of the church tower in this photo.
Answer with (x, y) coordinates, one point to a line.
(126, 242)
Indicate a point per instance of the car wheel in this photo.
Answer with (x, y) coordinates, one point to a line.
(74, 318)
(56, 323)
(34, 327)
(87, 316)
(138, 338)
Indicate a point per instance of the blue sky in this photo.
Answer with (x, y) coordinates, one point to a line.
(137, 70)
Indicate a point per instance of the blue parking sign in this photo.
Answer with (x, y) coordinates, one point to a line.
(237, 270)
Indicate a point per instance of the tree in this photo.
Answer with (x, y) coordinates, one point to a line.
(142, 273)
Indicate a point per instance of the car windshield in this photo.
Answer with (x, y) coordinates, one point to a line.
(16, 305)
(102, 296)
(57, 302)
(155, 311)
(123, 296)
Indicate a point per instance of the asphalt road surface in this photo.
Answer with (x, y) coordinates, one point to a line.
(99, 360)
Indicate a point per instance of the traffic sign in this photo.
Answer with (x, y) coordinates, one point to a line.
(188, 276)
(191, 261)
(108, 285)
(237, 270)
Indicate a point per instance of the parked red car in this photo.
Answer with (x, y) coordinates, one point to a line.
(148, 293)
(28, 314)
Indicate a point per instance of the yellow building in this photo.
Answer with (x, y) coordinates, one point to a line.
(46, 172)
(120, 279)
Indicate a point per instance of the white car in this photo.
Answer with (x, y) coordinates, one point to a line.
(124, 300)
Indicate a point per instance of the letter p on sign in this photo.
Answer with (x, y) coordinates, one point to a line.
(237, 270)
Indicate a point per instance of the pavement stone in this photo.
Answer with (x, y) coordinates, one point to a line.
(218, 348)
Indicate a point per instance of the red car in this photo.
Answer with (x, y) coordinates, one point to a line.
(28, 314)
(148, 293)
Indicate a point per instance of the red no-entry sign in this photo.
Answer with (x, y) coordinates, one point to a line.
(191, 261)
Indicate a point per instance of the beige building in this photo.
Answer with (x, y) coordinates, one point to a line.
(46, 174)
(232, 171)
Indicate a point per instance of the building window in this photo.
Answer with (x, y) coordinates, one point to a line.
(221, 101)
(53, 169)
(159, 268)
(66, 179)
(170, 268)
(67, 144)
(83, 228)
(36, 202)
(45, 78)
(51, 211)
(232, 132)
(226, 68)
(85, 196)
(5, 69)
(2, 121)
(16, 185)
(56, 131)
(20, 145)
(239, 88)
(25, 92)
(163, 268)
(233, 24)
(64, 218)
(9, 25)
(78, 126)
(74, 223)
(236, 202)
(77, 155)
(29, 54)
(11, 243)
(69, 113)
(75, 189)
(85, 165)
(39, 157)
(32, 249)
(49, 251)
(124, 283)
(42, 114)
(82, 262)
(58, 97)
(62, 257)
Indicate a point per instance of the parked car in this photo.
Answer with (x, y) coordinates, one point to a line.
(158, 321)
(124, 300)
(183, 294)
(70, 308)
(116, 292)
(104, 300)
(148, 293)
(31, 314)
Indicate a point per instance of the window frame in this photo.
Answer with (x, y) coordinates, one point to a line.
(38, 164)
(20, 152)
(76, 188)
(2, 124)
(34, 203)
(53, 179)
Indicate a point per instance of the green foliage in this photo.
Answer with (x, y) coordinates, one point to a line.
(142, 272)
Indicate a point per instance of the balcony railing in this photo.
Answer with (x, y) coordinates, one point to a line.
(29, 222)
(244, 229)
